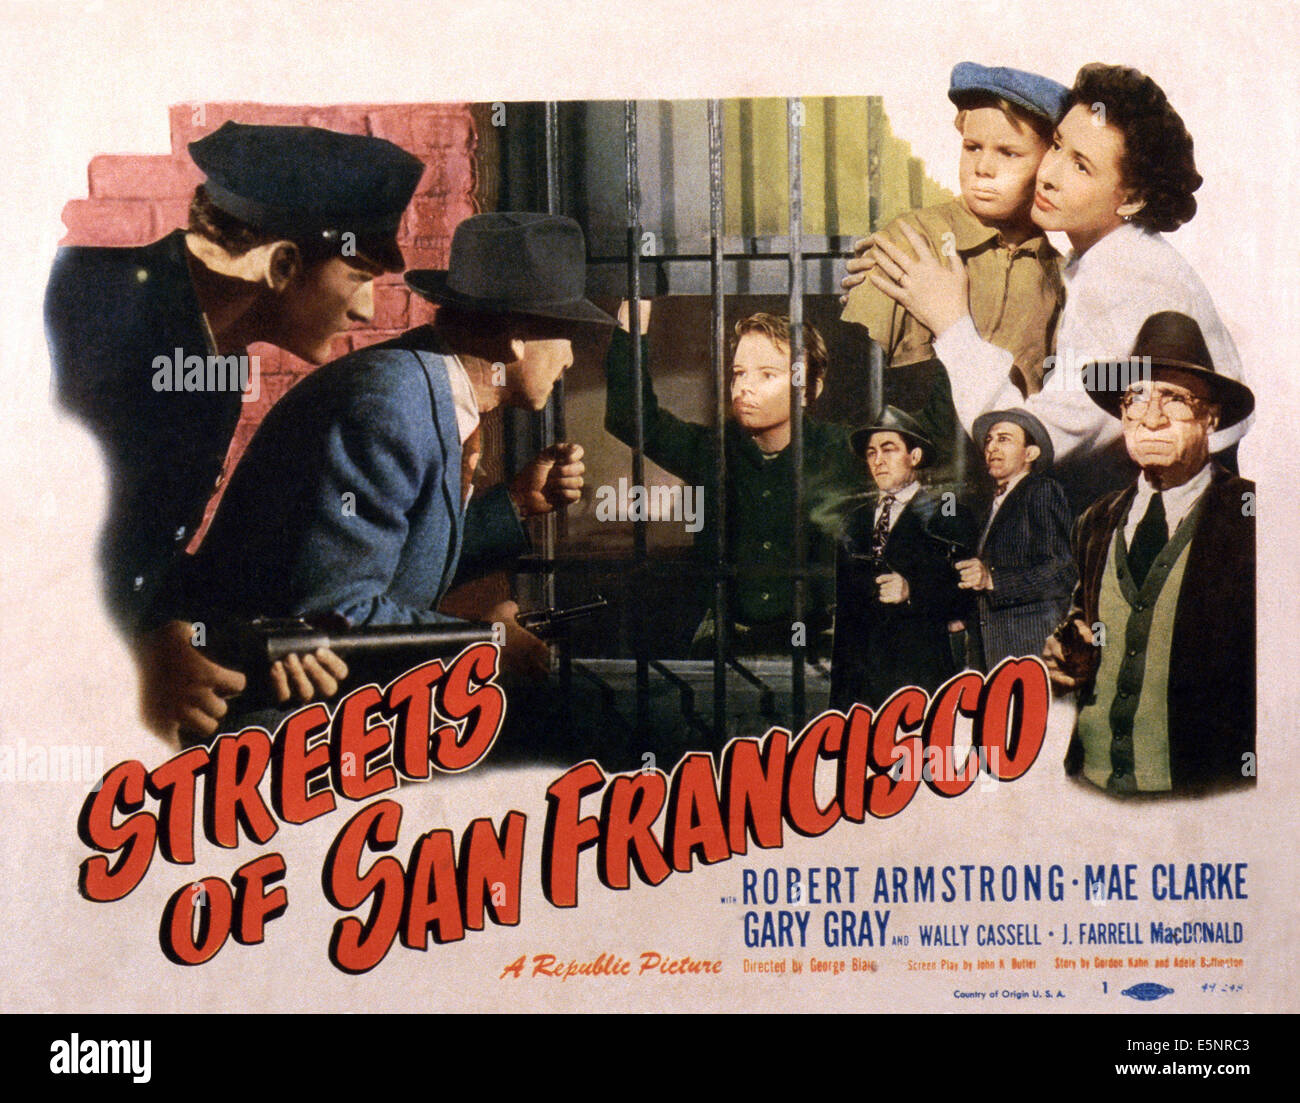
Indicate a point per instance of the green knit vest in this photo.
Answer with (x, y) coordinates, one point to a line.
(1123, 726)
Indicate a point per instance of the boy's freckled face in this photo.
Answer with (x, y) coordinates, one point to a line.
(998, 166)
(760, 383)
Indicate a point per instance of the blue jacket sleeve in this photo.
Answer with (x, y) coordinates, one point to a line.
(384, 461)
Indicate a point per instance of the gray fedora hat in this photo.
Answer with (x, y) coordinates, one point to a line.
(514, 262)
(893, 420)
(1035, 432)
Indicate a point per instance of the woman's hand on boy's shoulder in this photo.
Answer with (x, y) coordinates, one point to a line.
(858, 266)
(933, 290)
(865, 253)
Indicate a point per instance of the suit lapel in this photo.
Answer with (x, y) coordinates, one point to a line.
(447, 432)
(1004, 510)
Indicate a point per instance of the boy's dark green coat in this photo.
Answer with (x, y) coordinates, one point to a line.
(760, 495)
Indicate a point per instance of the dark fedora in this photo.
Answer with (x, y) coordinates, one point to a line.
(1035, 432)
(1175, 348)
(893, 420)
(514, 262)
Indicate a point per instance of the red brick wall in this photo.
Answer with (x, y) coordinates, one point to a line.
(136, 198)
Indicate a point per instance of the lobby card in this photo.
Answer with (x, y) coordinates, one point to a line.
(448, 841)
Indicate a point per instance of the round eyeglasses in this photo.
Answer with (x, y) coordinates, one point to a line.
(1174, 405)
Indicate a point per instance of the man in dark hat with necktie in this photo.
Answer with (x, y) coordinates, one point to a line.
(1022, 572)
(1160, 639)
(148, 347)
(353, 501)
(896, 592)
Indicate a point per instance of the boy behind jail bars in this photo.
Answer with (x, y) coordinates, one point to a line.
(760, 480)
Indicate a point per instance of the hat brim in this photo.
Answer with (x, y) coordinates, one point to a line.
(383, 251)
(1042, 441)
(860, 438)
(966, 98)
(431, 284)
(1235, 400)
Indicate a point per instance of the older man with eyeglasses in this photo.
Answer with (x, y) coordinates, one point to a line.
(1160, 641)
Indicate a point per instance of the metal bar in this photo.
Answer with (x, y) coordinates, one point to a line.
(721, 621)
(686, 695)
(552, 416)
(618, 566)
(638, 405)
(552, 157)
(875, 152)
(766, 694)
(794, 125)
(875, 378)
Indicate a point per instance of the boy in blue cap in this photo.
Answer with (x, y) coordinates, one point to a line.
(285, 238)
(1006, 118)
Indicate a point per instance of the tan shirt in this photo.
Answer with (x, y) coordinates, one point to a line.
(1015, 293)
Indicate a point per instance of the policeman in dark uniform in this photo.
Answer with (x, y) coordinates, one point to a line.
(285, 238)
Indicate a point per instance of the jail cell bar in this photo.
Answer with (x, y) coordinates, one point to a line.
(553, 415)
(553, 418)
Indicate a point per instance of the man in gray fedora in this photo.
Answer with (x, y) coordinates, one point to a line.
(895, 589)
(354, 501)
(1022, 572)
(1160, 639)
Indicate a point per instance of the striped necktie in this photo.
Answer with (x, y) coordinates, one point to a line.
(880, 534)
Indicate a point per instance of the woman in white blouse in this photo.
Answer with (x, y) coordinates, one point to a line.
(1119, 172)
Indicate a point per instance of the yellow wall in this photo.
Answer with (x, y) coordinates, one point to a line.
(844, 131)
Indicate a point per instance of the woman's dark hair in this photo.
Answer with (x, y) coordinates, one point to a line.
(1157, 164)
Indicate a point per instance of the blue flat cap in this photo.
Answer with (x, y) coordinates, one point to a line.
(303, 181)
(1038, 95)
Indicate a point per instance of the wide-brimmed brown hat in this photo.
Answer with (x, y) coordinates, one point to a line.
(1175, 349)
(893, 420)
(514, 262)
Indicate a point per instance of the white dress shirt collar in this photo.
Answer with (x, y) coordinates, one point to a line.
(901, 498)
(1012, 483)
(462, 393)
(1178, 501)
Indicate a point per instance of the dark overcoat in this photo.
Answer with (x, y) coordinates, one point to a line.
(1027, 551)
(1211, 691)
(110, 313)
(880, 647)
